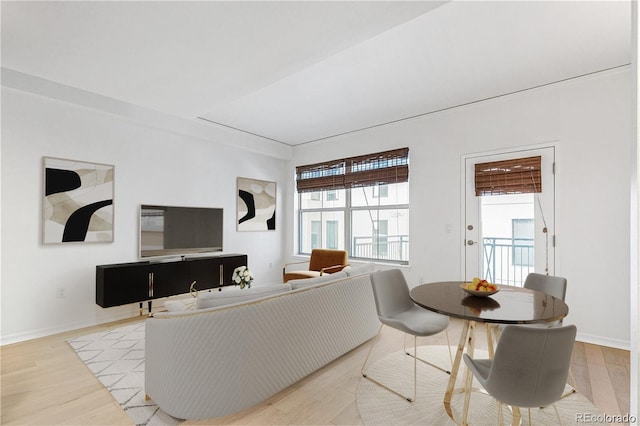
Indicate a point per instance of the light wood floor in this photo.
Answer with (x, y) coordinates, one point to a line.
(43, 382)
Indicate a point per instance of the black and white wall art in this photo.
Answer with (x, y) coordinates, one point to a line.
(77, 201)
(256, 205)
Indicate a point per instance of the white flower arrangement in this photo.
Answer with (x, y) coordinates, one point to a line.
(242, 276)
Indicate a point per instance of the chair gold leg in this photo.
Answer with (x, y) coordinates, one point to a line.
(573, 387)
(382, 385)
(366, 376)
(500, 414)
(569, 392)
(373, 343)
(557, 414)
(517, 418)
(425, 361)
(566, 394)
(415, 368)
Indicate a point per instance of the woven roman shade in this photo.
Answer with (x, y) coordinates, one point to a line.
(515, 176)
(319, 176)
(380, 168)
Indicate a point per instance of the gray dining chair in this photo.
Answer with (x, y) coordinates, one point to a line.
(529, 368)
(549, 284)
(554, 286)
(397, 310)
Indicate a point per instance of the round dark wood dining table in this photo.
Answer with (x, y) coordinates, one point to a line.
(510, 305)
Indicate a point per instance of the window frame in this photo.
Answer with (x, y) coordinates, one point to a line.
(347, 211)
(371, 170)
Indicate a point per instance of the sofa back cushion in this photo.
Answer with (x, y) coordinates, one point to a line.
(306, 282)
(364, 268)
(236, 295)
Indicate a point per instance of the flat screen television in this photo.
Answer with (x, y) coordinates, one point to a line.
(174, 231)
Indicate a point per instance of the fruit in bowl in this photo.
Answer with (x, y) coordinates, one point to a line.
(479, 287)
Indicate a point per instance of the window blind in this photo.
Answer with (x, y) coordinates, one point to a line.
(379, 168)
(515, 176)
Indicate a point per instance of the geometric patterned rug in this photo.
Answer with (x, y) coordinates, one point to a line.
(116, 358)
(378, 406)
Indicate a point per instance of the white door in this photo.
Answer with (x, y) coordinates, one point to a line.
(508, 236)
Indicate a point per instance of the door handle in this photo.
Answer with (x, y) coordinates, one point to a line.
(470, 242)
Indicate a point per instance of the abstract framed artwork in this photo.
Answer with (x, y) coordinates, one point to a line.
(256, 205)
(77, 203)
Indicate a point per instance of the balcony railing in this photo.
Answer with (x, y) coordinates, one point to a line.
(507, 260)
(389, 247)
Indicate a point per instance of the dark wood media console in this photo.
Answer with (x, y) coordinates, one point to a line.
(124, 283)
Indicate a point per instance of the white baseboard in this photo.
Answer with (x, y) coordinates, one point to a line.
(44, 332)
(604, 341)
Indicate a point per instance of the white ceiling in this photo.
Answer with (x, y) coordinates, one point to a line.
(298, 71)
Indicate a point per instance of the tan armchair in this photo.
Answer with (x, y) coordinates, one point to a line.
(322, 261)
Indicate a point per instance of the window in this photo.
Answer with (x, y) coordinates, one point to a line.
(380, 237)
(332, 234)
(381, 191)
(359, 204)
(315, 233)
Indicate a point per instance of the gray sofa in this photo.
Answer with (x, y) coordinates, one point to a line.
(217, 361)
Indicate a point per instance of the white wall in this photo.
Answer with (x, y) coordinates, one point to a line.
(152, 165)
(588, 120)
